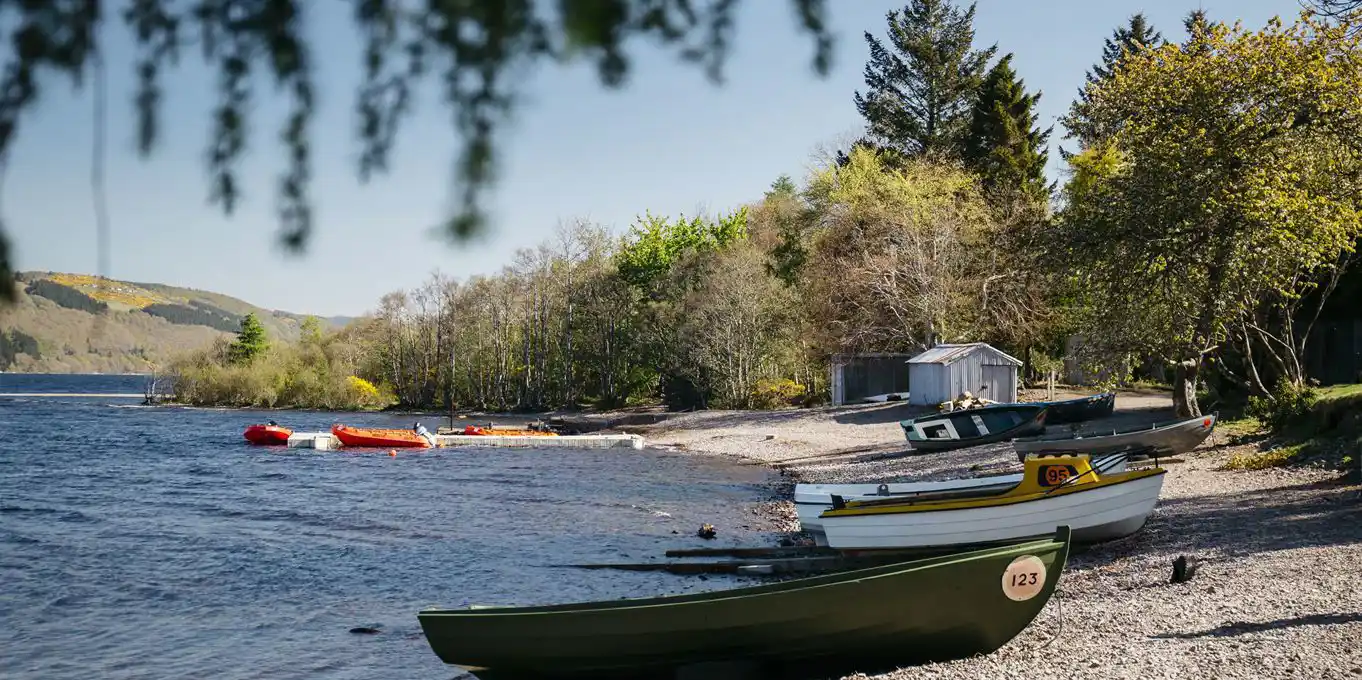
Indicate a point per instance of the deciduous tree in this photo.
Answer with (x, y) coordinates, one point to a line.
(1230, 177)
(895, 258)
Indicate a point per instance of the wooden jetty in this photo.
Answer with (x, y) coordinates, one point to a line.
(570, 441)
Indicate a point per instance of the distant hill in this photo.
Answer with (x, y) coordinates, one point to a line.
(75, 323)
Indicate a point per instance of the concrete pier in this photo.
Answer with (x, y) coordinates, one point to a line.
(578, 441)
(322, 441)
(325, 441)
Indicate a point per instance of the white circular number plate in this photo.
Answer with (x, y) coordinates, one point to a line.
(1024, 578)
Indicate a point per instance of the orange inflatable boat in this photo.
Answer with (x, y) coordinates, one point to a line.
(372, 437)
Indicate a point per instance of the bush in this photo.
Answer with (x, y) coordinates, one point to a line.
(1262, 460)
(769, 394)
(285, 375)
(1288, 404)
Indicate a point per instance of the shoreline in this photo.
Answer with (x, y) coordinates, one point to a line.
(1275, 596)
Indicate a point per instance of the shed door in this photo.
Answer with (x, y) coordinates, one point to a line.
(998, 380)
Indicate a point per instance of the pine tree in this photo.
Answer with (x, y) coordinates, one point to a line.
(782, 187)
(1198, 28)
(921, 86)
(1127, 39)
(250, 341)
(1124, 40)
(1004, 145)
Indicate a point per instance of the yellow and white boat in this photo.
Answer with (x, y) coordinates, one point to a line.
(1053, 491)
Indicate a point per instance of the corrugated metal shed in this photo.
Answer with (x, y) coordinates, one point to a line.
(857, 376)
(944, 372)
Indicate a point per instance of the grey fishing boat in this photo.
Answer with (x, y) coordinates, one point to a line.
(1167, 438)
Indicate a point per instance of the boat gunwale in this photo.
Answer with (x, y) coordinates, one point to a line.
(1057, 542)
(854, 509)
(1018, 406)
(1156, 427)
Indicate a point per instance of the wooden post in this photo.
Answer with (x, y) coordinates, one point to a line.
(1050, 385)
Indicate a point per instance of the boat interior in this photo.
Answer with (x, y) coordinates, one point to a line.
(1042, 474)
(1210, 420)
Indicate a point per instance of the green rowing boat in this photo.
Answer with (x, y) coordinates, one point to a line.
(935, 609)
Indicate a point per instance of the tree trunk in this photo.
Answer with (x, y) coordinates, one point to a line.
(1184, 388)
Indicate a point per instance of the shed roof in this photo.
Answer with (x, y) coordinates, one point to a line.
(951, 353)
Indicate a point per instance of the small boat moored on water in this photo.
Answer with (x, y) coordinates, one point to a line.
(935, 609)
(969, 427)
(1054, 491)
(267, 434)
(376, 437)
(1168, 438)
(812, 499)
(1080, 409)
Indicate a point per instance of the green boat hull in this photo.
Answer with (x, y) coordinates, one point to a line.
(936, 609)
(960, 429)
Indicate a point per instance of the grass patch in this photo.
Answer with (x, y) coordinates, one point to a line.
(1262, 460)
(1336, 392)
(1241, 428)
(1323, 430)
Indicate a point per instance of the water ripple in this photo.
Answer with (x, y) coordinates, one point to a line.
(154, 542)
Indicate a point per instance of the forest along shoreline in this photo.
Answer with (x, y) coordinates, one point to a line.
(1274, 593)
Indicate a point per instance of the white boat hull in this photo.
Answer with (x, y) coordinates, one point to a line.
(1096, 514)
(812, 499)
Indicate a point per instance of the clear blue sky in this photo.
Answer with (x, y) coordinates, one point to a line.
(668, 142)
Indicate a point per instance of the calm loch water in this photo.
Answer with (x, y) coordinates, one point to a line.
(142, 542)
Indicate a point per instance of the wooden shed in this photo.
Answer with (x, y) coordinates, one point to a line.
(943, 372)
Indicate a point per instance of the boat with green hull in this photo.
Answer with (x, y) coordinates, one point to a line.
(925, 610)
(971, 427)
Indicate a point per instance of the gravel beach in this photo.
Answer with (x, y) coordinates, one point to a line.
(1278, 593)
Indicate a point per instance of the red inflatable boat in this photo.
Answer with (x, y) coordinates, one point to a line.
(267, 434)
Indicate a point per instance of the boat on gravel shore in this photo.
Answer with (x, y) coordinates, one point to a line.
(812, 499)
(1080, 409)
(866, 620)
(1054, 491)
(974, 426)
(1168, 438)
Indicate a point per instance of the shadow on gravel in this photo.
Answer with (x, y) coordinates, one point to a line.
(701, 420)
(1234, 525)
(892, 413)
(1244, 627)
